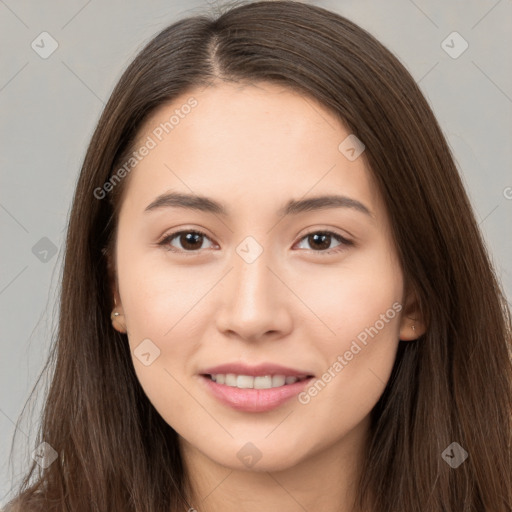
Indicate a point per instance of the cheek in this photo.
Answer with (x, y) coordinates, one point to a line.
(155, 293)
(352, 297)
(362, 310)
(354, 377)
(157, 325)
(156, 298)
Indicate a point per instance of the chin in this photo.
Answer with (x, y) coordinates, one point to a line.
(249, 457)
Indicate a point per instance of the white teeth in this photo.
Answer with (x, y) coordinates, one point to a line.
(244, 381)
(250, 382)
(230, 380)
(278, 380)
(263, 382)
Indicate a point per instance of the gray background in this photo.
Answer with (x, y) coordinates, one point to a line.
(50, 107)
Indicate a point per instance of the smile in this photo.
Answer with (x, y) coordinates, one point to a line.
(254, 393)
(250, 382)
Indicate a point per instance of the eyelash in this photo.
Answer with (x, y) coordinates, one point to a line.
(343, 241)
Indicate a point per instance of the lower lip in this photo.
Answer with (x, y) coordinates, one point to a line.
(254, 400)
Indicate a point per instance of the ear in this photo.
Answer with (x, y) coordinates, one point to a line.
(412, 323)
(117, 314)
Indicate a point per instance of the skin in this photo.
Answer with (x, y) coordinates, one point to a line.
(254, 147)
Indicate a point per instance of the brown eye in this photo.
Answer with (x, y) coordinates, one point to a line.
(189, 241)
(320, 241)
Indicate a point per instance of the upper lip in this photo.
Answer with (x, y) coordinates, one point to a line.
(258, 370)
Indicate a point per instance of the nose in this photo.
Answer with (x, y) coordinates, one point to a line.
(255, 302)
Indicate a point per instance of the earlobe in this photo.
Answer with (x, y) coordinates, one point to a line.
(117, 315)
(412, 325)
(118, 321)
(411, 329)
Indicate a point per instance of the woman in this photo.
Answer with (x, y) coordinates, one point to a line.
(275, 294)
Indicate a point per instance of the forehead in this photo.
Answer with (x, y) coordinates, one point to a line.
(250, 142)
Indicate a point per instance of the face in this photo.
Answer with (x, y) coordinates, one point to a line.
(316, 291)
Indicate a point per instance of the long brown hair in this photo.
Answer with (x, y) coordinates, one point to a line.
(453, 384)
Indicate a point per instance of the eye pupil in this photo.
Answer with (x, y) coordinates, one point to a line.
(323, 236)
(191, 240)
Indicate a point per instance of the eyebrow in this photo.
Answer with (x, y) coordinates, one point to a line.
(292, 207)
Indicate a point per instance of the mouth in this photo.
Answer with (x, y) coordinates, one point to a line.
(253, 393)
(255, 382)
